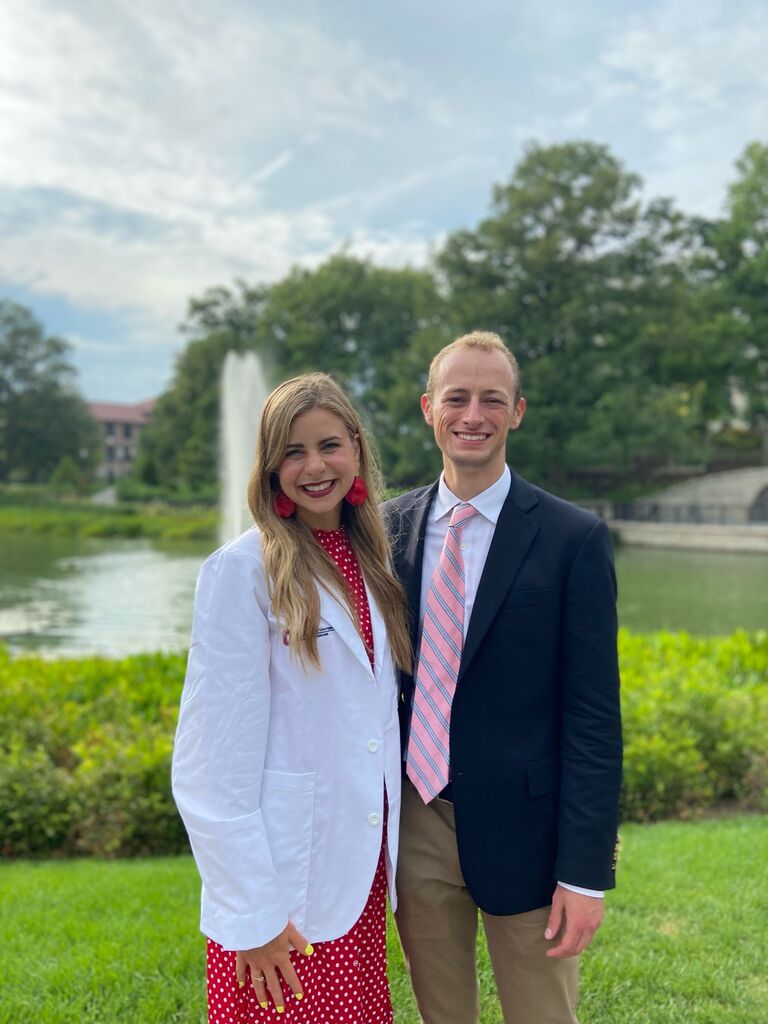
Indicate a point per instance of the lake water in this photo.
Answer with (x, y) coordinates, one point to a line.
(71, 597)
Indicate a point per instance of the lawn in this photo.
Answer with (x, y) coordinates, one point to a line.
(685, 939)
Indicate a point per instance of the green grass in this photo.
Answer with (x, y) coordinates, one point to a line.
(684, 940)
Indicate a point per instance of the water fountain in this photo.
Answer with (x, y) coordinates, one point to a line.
(243, 390)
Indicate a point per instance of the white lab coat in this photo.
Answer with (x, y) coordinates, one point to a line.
(279, 773)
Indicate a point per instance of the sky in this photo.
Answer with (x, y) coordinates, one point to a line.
(151, 150)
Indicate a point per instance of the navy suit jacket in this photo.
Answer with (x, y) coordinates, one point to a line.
(535, 737)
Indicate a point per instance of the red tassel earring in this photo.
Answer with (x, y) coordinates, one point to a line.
(358, 492)
(284, 506)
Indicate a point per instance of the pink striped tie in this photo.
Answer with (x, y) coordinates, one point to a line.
(442, 639)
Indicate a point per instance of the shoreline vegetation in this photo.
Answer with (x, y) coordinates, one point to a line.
(156, 520)
(86, 743)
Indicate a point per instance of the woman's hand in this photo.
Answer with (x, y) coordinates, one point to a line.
(265, 962)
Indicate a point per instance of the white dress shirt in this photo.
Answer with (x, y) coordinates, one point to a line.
(476, 539)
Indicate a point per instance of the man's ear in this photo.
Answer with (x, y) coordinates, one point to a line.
(426, 408)
(517, 414)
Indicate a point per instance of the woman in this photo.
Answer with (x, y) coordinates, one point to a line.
(286, 768)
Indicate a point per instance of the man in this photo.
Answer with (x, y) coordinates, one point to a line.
(510, 725)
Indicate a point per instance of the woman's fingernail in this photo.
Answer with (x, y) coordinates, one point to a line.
(241, 984)
(299, 995)
(263, 1005)
(310, 949)
(280, 1009)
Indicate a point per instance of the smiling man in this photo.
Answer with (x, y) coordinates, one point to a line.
(510, 724)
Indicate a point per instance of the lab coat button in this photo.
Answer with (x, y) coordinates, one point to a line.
(373, 819)
(373, 746)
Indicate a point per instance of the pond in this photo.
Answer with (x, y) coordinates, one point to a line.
(71, 597)
(61, 597)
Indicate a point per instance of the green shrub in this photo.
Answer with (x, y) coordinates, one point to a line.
(85, 745)
(85, 750)
(35, 801)
(130, 489)
(124, 801)
(663, 776)
(695, 713)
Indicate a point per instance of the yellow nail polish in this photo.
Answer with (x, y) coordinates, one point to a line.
(241, 984)
(263, 1005)
(280, 1009)
(299, 995)
(310, 949)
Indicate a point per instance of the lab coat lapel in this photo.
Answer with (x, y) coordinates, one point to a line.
(334, 612)
(379, 632)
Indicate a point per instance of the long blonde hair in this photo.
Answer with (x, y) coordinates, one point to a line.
(293, 561)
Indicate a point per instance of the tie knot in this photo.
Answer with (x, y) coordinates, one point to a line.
(461, 514)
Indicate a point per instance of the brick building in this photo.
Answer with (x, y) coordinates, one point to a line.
(121, 426)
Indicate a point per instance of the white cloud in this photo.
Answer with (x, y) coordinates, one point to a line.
(391, 250)
(142, 125)
(149, 151)
(699, 80)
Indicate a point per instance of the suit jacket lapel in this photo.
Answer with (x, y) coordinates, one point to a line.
(409, 558)
(512, 538)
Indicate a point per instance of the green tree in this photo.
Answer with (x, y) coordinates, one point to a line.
(346, 317)
(590, 290)
(42, 417)
(68, 477)
(364, 324)
(733, 329)
(179, 448)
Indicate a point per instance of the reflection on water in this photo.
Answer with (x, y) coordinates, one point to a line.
(74, 597)
(705, 592)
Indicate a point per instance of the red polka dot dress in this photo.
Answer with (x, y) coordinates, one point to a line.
(344, 981)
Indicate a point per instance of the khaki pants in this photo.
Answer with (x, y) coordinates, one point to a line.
(437, 921)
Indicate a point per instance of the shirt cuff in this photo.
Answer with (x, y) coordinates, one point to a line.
(597, 893)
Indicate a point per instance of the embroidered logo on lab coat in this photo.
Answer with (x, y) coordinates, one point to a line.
(323, 631)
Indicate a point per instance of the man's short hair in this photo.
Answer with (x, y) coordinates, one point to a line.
(485, 341)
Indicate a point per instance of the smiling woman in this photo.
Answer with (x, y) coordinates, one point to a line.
(288, 752)
(321, 463)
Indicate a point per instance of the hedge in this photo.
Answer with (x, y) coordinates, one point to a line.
(85, 745)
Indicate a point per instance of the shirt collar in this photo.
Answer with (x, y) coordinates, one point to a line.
(488, 502)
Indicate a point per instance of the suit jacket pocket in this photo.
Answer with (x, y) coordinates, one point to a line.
(531, 598)
(287, 807)
(543, 776)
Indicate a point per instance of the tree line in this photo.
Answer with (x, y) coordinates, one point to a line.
(46, 429)
(642, 332)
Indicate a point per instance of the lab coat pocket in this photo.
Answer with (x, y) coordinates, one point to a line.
(287, 807)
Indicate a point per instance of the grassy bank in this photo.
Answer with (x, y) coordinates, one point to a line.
(93, 942)
(78, 519)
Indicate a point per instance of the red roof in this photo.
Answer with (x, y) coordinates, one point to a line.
(116, 412)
